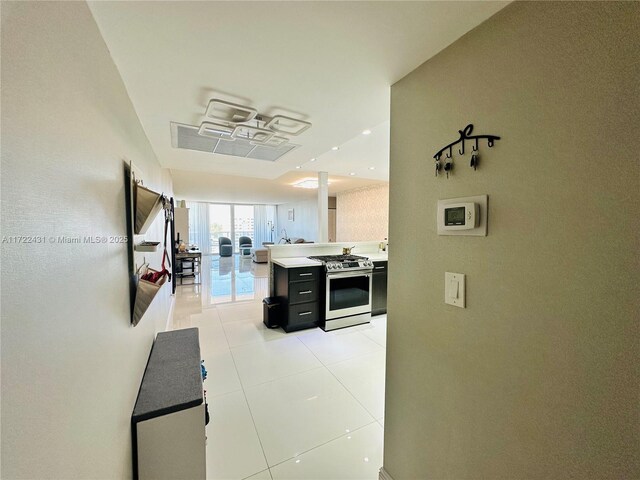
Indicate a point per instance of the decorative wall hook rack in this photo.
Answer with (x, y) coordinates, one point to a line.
(465, 135)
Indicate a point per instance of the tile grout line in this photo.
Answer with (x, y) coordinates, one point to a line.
(343, 386)
(265, 470)
(277, 378)
(322, 365)
(325, 443)
(383, 346)
(220, 308)
(244, 394)
(284, 376)
(327, 365)
(224, 332)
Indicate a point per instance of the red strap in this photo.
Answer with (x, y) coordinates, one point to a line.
(165, 254)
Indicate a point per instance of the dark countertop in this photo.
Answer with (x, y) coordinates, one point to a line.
(172, 380)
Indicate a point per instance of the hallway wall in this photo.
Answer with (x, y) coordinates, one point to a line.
(538, 377)
(71, 362)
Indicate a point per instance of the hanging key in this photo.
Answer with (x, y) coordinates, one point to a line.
(448, 167)
(474, 161)
(438, 167)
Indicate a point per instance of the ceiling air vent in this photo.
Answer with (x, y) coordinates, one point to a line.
(189, 138)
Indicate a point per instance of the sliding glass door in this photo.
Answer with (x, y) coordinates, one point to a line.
(220, 225)
(242, 224)
(210, 221)
(231, 221)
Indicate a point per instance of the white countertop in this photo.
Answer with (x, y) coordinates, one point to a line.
(376, 257)
(294, 262)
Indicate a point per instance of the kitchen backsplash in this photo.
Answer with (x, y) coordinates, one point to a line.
(363, 214)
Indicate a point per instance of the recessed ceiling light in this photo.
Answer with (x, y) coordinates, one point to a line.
(352, 173)
(372, 168)
(299, 166)
(312, 160)
(366, 132)
(308, 183)
(335, 148)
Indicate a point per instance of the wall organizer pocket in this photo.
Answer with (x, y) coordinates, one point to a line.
(146, 290)
(143, 208)
(147, 206)
(465, 135)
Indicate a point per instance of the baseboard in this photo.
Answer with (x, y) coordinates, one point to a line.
(172, 304)
(384, 475)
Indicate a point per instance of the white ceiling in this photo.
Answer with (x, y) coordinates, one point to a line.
(331, 63)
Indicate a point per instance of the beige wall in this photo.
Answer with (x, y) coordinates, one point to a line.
(538, 377)
(71, 362)
(362, 214)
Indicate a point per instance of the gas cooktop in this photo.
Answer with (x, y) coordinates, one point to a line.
(338, 258)
(344, 262)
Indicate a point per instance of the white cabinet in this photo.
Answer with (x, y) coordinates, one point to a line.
(181, 222)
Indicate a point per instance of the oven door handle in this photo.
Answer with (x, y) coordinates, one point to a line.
(348, 274)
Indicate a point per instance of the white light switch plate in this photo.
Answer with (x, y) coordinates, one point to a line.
(454, 291)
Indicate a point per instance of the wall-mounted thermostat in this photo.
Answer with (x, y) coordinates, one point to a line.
(463, 216)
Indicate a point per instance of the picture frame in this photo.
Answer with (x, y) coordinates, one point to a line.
(290, 215)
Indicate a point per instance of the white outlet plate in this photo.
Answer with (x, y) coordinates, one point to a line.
(480, 230)
(454, 289)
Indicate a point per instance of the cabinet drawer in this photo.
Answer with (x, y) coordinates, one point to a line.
(303, 314)
(300, 292)
(303, 274)
(379, 267)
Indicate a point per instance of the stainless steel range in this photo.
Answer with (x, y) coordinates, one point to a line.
(348, 290)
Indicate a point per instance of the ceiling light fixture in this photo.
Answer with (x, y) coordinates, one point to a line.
(335, 148)
(215, 130)
(187, 137)
(229, 112)
(366, 132)
(372, 168)
(254, 134)
(260, 136)
(308, 183)
(298, 166)
(287, 125)
(312, 160)
(352, 173)
(276, 141)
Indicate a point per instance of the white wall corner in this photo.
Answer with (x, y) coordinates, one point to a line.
(384, 475)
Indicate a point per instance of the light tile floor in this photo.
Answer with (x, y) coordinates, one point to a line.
(304, 405)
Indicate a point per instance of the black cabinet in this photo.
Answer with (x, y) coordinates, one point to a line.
(299, 292)
(379, 288)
